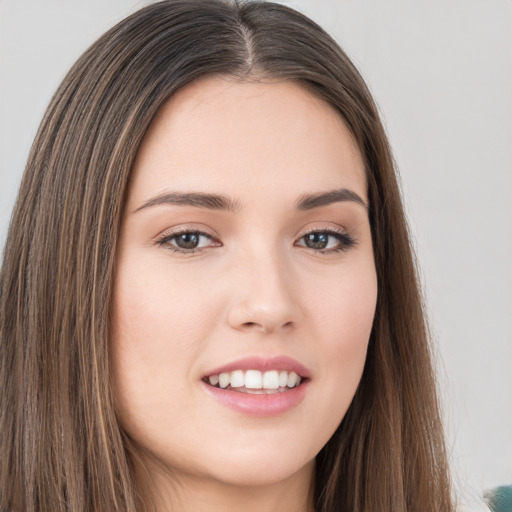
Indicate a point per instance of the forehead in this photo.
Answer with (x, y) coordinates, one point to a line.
(224, 136)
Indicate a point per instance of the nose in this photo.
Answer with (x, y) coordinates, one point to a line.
(265, 298)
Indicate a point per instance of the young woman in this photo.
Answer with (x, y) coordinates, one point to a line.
(208, 296)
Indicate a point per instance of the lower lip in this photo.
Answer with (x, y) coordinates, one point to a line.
(263, 405)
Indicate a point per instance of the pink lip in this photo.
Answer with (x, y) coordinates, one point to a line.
(258, 405)
(261, 405)
(263, 364)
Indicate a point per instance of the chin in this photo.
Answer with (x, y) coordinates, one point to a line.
(249, 467)
(260, 463)
(259, 473)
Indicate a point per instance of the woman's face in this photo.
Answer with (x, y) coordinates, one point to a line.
(245, 259)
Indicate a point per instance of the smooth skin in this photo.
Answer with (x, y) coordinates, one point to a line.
(256, 274)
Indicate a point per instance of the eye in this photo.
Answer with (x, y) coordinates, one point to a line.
(187, 241)
(326, 241)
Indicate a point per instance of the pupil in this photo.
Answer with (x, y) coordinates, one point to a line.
(317, 240)
(187, 241)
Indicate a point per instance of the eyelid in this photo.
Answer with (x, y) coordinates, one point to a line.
(328, 228)
(188, 228)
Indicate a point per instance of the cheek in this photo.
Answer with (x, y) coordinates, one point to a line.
(158, 312)
(344, 319)
(344, 307)
(159, 326)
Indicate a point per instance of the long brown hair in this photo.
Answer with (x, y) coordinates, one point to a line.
(61, 447)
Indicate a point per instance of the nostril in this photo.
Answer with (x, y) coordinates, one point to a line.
(266, 328)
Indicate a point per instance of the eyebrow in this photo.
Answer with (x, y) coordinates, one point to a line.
(220, 202)
(311, 201)
(196, 199)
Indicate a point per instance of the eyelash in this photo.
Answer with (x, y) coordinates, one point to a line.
(344, 241)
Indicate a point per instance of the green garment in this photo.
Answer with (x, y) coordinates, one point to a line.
(500, 499)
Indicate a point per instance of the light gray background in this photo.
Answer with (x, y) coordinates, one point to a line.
(441, 72)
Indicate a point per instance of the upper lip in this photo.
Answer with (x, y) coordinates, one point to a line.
(263, 364)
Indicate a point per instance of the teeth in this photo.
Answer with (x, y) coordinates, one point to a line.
(224, 380)
(237, 379)
(292, 379)
(271, 380)
(254, 379)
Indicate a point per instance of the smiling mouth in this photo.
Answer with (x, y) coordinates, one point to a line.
(255, 382)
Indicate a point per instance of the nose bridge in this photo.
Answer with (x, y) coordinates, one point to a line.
(266, 296)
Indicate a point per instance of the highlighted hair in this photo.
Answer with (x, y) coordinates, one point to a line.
(61, 446)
